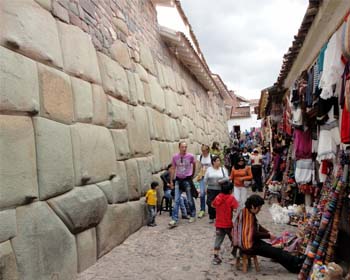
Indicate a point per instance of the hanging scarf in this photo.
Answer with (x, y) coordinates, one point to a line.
(243, 230)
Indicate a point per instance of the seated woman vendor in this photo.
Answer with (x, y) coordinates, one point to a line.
(248, 235)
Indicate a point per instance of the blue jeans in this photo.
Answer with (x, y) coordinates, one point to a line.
(168, 195)
(151, 214)
(178, 199)
(202, 194)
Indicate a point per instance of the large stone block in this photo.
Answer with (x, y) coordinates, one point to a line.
(169, 136)
(56, 99)
(46, 4)
(158, 124)
(8, 265)
(146, 59)
(141, 72)
(157, 94)
(86, 249)
(82, 93)
(8, 227)
(116, 190)
(171, 107)
(157, 164)
(145, 173)
(19, 90)
(93, 153)
(113, 229)
(120, 183)
(132, 173)
(81, 208)
(139, 89)
(44, 247)
(174, 130)
(147, 93)
(121, 143)
(119, 52)
(118, 113)
(133, 94)
(114, 79)
(138, 132)
(79, 55)
(137, 215)
(20, 22)
(164, 154)
(169, 77)
(18, 177)
(54, 158)
(152, 130)
(160, 74)
(99, 100)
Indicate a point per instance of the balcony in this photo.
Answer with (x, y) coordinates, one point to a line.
(240, 112)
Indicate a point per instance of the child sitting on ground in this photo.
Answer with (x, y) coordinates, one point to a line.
(225, 204)
(151, 200)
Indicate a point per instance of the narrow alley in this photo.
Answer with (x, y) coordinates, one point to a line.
(184, 252)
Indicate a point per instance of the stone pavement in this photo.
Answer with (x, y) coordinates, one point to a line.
(184, 252)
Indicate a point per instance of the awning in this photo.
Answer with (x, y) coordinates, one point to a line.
(181, 47)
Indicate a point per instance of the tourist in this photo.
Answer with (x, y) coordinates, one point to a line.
(266, 161)
(224, 204)
(256, 160)
(216, 151)
(205, 162)
(248, 235)
(240, 175)
(182, 170)
(151, 200)
(246, 155)
(214, 174)
(169, 194)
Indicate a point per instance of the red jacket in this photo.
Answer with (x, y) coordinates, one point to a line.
(224, 204)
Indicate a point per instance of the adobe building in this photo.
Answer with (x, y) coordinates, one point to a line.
(94, 98)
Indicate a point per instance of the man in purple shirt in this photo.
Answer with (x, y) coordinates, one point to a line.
(182, 170)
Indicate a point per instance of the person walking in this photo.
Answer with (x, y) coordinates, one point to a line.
(239, 175)
(151, 200)
(182, 170)
(169, 193)
(256, 160)
(205, 162)
(224, 204)
(216, 151)
(212, 177)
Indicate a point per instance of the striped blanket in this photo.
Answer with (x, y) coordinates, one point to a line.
(243, 230)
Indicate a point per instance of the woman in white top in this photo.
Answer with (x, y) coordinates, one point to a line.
(214, 174)
(205, 162)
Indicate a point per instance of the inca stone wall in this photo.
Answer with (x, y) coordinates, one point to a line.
(92, 106)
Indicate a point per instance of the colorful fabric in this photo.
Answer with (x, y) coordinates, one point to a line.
(243, 230)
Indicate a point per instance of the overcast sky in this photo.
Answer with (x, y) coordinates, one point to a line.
(244, 40)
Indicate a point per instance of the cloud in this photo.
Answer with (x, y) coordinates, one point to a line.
(244, 41)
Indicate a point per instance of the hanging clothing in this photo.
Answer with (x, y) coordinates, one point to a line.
(329, 139)
(333, 67)
(302, 144)
(304, 171)
(324, 107)
(345, 126)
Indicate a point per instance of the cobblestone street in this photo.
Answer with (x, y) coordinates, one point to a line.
(184, 252)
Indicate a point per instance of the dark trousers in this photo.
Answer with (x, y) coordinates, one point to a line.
(211, 194)
(257, 173)
(290, 262)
